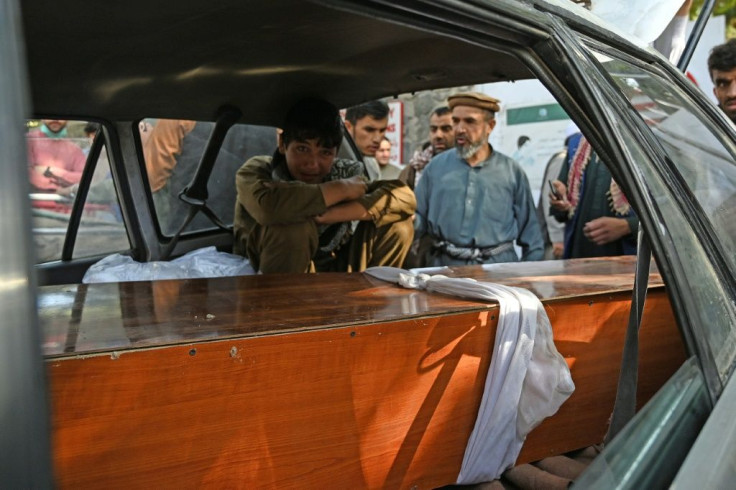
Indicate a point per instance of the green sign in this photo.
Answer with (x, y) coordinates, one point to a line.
(535, 113)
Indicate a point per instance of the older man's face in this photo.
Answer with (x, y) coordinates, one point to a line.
(724, 88)
(472, 129)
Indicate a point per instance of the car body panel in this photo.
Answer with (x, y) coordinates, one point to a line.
(25, 438)
(714, 449)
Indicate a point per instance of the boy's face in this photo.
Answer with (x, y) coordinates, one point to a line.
(307, 160)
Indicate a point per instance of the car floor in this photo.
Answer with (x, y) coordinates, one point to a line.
(553, 473)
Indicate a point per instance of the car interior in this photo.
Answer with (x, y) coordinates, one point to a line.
(234, 68)
(98, 80)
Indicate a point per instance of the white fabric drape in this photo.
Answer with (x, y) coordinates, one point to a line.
(645, 19)
(528, 379)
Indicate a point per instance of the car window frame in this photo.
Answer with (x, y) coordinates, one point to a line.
(577, 70)
(667, 257)
(68, 268)
(75, 218)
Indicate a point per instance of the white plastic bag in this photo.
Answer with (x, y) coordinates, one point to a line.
(205, 262)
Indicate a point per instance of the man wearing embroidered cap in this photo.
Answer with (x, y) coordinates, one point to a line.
(474, 202)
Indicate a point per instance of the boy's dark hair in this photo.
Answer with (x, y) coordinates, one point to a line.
(722, 57)
(375, 108)
(441, 111)
(313, 118)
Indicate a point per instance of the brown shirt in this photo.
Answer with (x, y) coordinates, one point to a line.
(161, 149)
(266, 200)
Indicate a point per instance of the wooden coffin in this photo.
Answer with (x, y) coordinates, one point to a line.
(318, 381)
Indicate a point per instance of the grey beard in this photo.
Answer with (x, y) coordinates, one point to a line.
(468, 151)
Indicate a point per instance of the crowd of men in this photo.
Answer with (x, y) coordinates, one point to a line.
(459, 201)
(470, 203)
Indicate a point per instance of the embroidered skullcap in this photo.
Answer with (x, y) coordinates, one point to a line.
(474, 99)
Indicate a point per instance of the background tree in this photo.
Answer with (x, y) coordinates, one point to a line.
(723, 7)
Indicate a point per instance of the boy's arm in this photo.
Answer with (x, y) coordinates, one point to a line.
(347, 211)
(271, 202)
(386, 202)
(338, 191)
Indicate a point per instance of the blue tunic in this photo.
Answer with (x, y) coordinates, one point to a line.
(481, 206)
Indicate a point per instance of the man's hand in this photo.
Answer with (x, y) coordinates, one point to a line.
(606, 230)
(558, 250)
(559, 204)
(69, 191)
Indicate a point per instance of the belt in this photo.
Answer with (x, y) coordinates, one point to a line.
(470, 253)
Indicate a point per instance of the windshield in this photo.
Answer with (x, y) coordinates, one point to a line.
(704, 158)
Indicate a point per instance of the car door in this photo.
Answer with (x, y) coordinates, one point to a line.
(633, 106)
(24, 427)
(680, 154)
(576, 60)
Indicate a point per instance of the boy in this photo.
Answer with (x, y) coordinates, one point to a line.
(304, 210)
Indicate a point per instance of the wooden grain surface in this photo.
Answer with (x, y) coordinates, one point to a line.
(589, 333)
(377, 406)
(328, 380)
(86, 319)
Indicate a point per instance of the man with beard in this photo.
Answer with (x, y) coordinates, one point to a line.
(474, 202)
(441, 138)
(722, 69)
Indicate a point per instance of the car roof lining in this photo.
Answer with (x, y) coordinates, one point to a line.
(184, 59)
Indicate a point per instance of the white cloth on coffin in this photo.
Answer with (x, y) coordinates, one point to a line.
(527, 381)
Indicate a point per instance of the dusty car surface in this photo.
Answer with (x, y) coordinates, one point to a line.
(234, 67)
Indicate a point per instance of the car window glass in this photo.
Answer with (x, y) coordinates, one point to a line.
(57, 155)
(704, 158)
(172, 151)
(710, 299)
(706, 164)
(101, 229)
